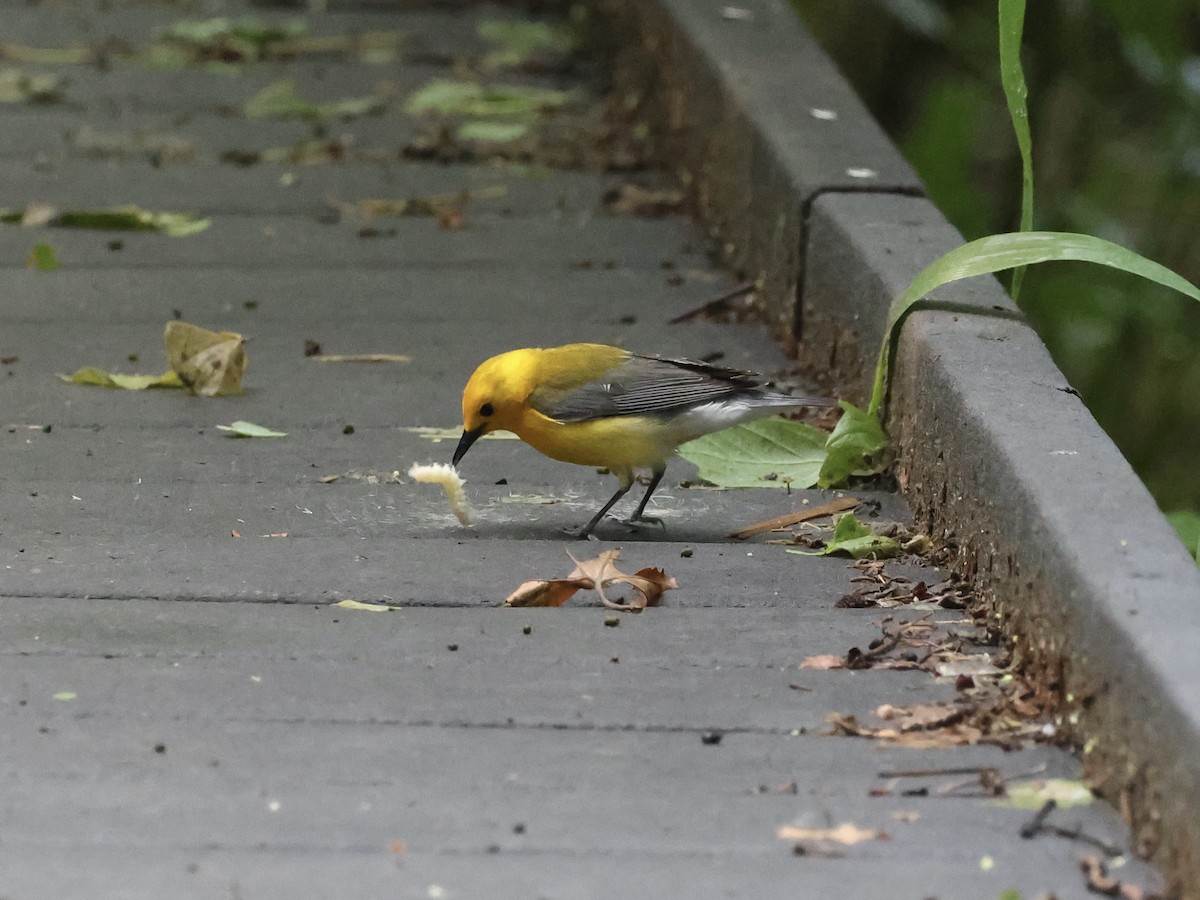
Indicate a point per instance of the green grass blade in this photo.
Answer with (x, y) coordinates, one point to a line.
(1016, 93)
(999, 252)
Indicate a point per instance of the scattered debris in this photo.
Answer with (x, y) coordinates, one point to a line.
(221, 40)
(524, 44)
(369, 477)
(160, 147)
(360, 357)
(22, 87)
(880, 588)
(719, 307)
(996, 706)
(650, 203)
(437, 435)
(1098, 881)
(647, 585)
(443, 208)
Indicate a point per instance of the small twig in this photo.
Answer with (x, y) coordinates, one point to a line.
(933, 773)
(712, 306)
(1078, 834)
(1034, 826)
(795, 518)
(862, 659)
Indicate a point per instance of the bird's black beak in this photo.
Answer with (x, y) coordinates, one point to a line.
(465, 442)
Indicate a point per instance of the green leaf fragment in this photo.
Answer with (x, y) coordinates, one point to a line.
(852, 537)
(492, 132)
(857, 446)
(469, 98)
(279, 100)
(91, 375)
(252, 31)
(767, 453)
(1187, 525)
(65, 695)
(120, 218)
(43, 258)
(1065, 792)
(220, 44)
(518, 41)
(23, 87)
(244, 429)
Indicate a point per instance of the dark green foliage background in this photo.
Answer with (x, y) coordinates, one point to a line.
(1114, 99)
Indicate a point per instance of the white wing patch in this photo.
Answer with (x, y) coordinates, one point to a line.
(710, 417)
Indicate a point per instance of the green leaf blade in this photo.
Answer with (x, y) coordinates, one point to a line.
(1187, 525)
(1016, 94)
(767, 453)
(999, 252)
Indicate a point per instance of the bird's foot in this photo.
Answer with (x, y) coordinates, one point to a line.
(642, 520)
(581, 534)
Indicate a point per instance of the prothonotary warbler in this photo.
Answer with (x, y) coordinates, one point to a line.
(602, 406)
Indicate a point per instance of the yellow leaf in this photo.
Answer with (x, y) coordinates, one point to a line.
(100, 378)
(209, 363)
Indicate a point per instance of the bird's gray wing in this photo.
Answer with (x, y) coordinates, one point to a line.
(651, 385)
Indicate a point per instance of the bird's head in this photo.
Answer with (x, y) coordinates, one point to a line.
(495, 396)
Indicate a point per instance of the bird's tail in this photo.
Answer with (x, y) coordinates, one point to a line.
(775, 399)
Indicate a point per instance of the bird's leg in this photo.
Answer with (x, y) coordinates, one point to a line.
(639, 514)
(586, 530)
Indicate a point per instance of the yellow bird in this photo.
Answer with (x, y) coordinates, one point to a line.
(602, 406)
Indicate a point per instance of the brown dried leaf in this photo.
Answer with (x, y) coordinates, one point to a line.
(596, 574)
(922, 717)
(848, 726)
(545, 593)
(635, 200)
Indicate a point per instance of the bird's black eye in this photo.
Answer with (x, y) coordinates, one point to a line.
(486, 410)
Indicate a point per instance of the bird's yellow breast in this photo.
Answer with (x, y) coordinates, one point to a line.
(620, 442)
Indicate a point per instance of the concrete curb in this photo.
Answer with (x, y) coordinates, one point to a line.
(997, 456)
